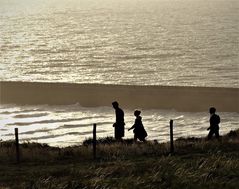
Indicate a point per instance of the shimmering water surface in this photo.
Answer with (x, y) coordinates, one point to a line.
(156, 42)
(133, 42)
(70, 125)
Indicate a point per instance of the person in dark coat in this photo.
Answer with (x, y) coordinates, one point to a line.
(139, 131)
(119, 122)
(214, 123)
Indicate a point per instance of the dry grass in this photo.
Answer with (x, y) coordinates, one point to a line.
(196, 163)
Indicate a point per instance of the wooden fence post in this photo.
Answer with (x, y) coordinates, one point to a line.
(17, 145)
(171, 137)
(94, 141)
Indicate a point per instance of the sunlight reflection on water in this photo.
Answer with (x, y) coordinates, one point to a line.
(69, 125)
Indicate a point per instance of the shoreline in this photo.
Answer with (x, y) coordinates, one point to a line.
(180, 98)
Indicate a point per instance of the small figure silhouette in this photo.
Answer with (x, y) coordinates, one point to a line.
(214, 123)
(139, 131)
(119, 123)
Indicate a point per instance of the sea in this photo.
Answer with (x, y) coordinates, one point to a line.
(119, 42)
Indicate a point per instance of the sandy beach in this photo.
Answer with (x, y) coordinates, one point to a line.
(148, 97)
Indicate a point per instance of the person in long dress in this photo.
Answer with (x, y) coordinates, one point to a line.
(139, 131)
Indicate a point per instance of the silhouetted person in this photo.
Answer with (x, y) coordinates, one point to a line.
(214, 123)
(139, 131)
(119, 123)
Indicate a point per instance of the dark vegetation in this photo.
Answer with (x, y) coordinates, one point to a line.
(196, 163)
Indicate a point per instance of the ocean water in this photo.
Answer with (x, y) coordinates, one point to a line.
(72, 124)
(135, 42)
(132, 42)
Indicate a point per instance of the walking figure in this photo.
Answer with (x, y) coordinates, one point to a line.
(214, 123)
(139, 131)
(119, 123)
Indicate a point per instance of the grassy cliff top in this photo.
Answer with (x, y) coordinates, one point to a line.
(196, 163)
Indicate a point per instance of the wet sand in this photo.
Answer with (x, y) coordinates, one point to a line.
(190, 99)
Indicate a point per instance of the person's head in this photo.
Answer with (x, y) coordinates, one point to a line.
(115, 104)
(212, 110)
(137, 112)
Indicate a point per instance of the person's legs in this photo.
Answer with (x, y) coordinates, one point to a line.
(217, 134)
(210, 134)
(135, 138)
